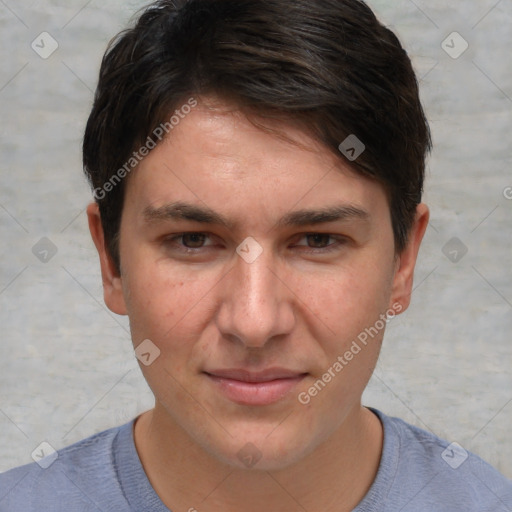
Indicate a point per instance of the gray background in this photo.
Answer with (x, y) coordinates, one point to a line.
(67, 369)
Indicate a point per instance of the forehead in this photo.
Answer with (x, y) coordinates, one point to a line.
(216, 156)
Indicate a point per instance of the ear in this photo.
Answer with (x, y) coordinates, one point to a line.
(112, 281)
(406, 260)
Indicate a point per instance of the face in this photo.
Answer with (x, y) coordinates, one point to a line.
(256, 266)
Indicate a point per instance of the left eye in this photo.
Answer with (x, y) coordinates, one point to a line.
(320, 241)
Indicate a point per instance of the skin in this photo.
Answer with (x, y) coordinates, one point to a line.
(296, 306)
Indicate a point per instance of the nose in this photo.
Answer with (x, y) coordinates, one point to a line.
(257, 306)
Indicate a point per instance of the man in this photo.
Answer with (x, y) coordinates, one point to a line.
(258, 168)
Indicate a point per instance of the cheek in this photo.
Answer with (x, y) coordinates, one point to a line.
(164, 304)
(345, 301)
(347, 309)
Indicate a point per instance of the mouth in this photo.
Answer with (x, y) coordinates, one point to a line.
(251, 388)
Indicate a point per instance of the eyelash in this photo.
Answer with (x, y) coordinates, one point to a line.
(340, 240)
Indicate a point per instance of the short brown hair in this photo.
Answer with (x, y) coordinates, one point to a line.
(328, 65)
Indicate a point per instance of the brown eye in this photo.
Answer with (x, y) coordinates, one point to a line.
(193, 240)
(319, 239)
(321, 243)
(189, 243)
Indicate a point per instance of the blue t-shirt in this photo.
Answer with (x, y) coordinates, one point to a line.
(418, 472)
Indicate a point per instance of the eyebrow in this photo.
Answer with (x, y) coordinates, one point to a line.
(204, 215)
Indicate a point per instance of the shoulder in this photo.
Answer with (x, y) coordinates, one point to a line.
(430, 473)
(74, 478)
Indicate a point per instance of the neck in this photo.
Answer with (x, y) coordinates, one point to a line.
(333, 478)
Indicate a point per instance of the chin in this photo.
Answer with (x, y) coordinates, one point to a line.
(265, 449)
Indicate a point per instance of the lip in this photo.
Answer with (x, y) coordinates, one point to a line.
(255, 388)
